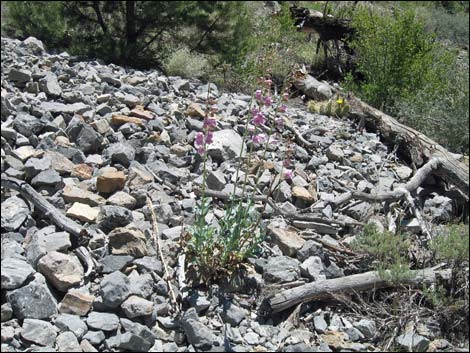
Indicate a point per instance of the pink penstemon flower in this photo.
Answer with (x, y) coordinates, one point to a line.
(279, 123)
(268, 101)
(209, 137)
(288, 174)
(259, 139)
(210, 123)
(259, 95)
(282, 108)
(259, 119)
(199, 141)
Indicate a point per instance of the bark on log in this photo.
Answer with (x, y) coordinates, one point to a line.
(415, 147)
(58, 218)
(364, 281)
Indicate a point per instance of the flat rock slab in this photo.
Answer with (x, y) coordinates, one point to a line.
(288, 241)
(75, 194)
(76, 302)
(125, 241)
(119, 120)
(83, 212)
(40, 332)
(14, 213)
(15, 272)
(110, 181)
(62, 270)
(102, 321)
(34, 301)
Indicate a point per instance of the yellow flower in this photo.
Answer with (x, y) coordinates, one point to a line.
(340, 101)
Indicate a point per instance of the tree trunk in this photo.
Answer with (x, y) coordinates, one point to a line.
(359, 282)
(131, 33)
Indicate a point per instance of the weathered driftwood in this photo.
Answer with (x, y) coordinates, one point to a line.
(364, 281)
(418, 149)
(49, 210)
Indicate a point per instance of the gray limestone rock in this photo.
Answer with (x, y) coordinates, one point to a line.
(226, 145)
(122, 153)
(14, 212)
(313, 269)
(40, 332)
(198, 334)
(28, 125)
(34, 300)
(102, 321)
(67, 342)
(73, 323)
(114, 289)
(15, 272)
(281, 269)
(111, 217)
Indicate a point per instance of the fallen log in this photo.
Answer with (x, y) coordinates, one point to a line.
(79, 233)
(416, 148)
(359, 282)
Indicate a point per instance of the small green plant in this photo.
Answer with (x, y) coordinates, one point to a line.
(387, 252)
(452, 245)
(217, 251)
(184, 63)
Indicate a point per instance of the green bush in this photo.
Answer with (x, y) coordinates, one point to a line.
(273, 46)
(453, 244)
(41, 19)
(183, 63)
(396, 56)
(387, 252)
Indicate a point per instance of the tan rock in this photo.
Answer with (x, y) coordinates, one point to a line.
(122, 119)
(289, 242)
(110, 181)
(135, 306)
(62, 270)
(404, 172)
(75, 194)
(356, 158)
(127, 241)
(139, 177)
(142, 114)
(82, 171)
(25, 152)
(123, 199)
(101, 126)
(303, 194)
(180, 150)
(60, 163)
(83, 212)
(76, 303)
(62, 140)
(195, 110)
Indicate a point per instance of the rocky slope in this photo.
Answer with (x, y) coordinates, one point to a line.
(95, 140)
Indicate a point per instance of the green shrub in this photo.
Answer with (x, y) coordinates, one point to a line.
(453, 244)
(443, 114)
(387, 252)
(41, 19)
(396, 56)
(183, 63)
